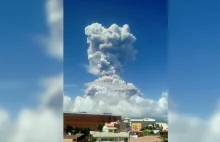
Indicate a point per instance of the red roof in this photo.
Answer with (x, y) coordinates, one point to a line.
(164, 131)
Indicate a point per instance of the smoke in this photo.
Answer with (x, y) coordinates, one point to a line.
(109, 50)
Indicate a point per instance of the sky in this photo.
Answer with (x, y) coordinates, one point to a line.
(193, 40)
(31, 71)
(23, 57)
(34, 71)
(147, 23)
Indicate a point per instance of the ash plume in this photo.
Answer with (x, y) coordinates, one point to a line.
(109, 50)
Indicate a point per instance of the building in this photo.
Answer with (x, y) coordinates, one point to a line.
(137, 124)
(110, 136)
(163, 125)
(111, 132)
(71, 138)
(86, 120)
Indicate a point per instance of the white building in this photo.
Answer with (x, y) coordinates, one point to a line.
(164, 125)
(137, 124)
(108, 136)
(110, 133)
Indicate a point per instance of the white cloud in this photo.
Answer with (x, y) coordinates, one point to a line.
(113, 95)
(45, 122)
(38, 126)
(184, 128)
(109, 50)
(4, 125)
(134, 106)
(52, 96)
(54, 42)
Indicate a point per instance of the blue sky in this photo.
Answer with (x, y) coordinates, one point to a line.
(194, 40)
(147, 21)
(23, 58)
(190, 51)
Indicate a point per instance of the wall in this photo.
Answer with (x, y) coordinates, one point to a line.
(136, 126)
(87, 120)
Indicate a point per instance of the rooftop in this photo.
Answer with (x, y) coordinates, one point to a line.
(109, 135)
(72, 136)
(86, 113)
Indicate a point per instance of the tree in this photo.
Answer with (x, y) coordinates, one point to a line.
(150, 128)
(142, 129)
(68, 129)
(164, 137)
(146, 133)
(91, 138)
(140, 134)
(100, 127)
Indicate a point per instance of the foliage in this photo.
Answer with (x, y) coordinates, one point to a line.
(68, 129)
(146, 133)
(164, 137)
(140, 134)
(151, 132)
(99, 127)
(142, 129)
(84, 131)
(128, 125)
(91, 138)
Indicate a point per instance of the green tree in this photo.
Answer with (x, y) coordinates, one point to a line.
(100, 127)
(68, 129)
(91, 138)
(164, 137)
(142, 129)
(146, 133)
(151, 132)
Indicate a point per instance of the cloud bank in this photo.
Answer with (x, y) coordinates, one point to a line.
(184, 128)
(45, 122)
(109, 50)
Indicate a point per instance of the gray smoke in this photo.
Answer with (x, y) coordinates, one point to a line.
(109, 50)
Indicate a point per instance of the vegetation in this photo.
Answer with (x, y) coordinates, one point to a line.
(75, 130)
(140, 134)
(151, 132)
(150, 128)
(68, 129)
(100, 127)
(146, 133)
(164, 137)
(91, 138)
(142, 129)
